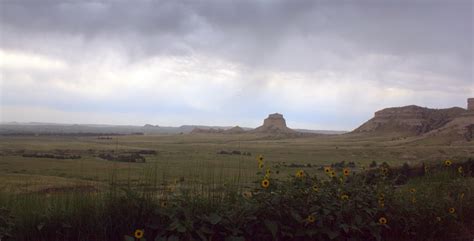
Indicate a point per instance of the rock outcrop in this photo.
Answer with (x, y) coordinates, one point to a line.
(235, 130)
(410, 119)
(274, 124)
(470, 104)
(442, 125)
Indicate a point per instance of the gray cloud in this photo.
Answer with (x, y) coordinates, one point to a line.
(418, 46)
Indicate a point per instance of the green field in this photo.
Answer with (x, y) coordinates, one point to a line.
(194, 159)
(215, 196)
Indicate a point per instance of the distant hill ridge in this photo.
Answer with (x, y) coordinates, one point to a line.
(421, 121)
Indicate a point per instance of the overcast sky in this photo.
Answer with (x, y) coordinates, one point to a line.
(322, 64)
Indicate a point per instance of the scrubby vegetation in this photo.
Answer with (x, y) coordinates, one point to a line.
(339, 205)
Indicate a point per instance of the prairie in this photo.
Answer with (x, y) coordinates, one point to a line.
(195, 158)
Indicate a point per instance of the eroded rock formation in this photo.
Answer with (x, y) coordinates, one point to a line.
(412, 119)
(275, 123)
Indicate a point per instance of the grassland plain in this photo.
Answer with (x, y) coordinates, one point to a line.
(44, 193)
(195, 158)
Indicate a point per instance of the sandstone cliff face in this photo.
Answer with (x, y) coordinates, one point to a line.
(461, 126)
(470, 104)
(274, 124)
(410, 119)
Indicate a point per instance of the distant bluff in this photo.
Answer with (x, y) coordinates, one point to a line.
(274, 124)
(416, 120)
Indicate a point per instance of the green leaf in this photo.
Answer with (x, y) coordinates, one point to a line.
(160, 238)
(345, 227)
(233, 238)
(181, 228)
(214, 218)
(272, 226)
(173, 238)
(40, 226)
(128, 238)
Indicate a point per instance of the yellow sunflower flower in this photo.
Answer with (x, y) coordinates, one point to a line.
(311, 218)
(267, 173)
(346, 172)
(164, 204)
(344, 197)
(265, 183)
(451, 210)
(260, 158)
(448, 163)
(260, 165)
(383, 220)
(300, 173)
(139, 233)
(315, 188)
(327, 170)
(412, 190)
(332, 173)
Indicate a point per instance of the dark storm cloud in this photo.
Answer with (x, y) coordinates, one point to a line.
(415, 48)
(395, 27)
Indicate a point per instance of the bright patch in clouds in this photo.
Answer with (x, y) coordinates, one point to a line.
(21, 61)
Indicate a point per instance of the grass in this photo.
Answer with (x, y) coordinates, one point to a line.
(94, 199)
(280, 211)
(194, 156)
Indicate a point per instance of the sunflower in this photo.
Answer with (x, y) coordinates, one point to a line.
(327, 170)
(448, 163)
(311, 219)
(460, 170)
(346, 172)
(315, 188)
(381, 200)
(412, 190)
(383, 220)
(300, 173)
(265, 183)
(164, 204)
(260, 165)
(260, 158)
(344, 197)
(451, 210)
(139, 233)
(267, 173)
(332, 173)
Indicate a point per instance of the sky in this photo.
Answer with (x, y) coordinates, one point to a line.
(322, 64)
